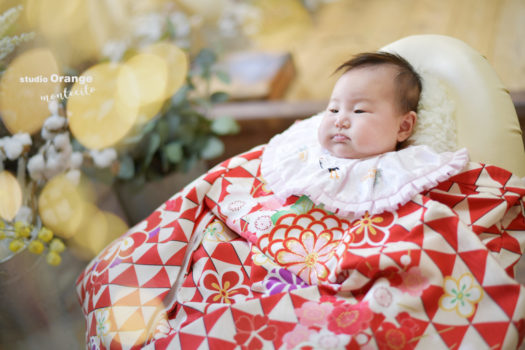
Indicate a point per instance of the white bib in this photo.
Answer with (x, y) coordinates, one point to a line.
(294, 163)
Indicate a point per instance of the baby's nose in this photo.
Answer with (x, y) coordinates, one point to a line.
(342, 122)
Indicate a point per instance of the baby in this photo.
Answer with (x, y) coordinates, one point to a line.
(373, 106)
(352, 158)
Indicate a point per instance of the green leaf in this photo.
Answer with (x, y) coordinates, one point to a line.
(126, 167)
(163, 129)
(153, 146)
(181, 95)
(219, 96)
(205, 58)
(214, 148)
(173, 151)
(224, 126)
(148, 127)
(223, 76)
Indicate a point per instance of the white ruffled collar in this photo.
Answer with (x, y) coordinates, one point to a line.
(294, 163)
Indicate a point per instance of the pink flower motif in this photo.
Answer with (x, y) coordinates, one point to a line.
(350, 318)
(314, 314)
(296, 336)
(414, 282)
(253, 330)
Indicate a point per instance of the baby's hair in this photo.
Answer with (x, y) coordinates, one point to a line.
(407, 80)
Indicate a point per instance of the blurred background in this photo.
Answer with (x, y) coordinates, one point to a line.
(109, 107)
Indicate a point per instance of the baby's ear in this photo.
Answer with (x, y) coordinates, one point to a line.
(406, 127)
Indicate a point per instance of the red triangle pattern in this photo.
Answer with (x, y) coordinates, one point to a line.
(189, 214)
(177, 258)
(498, 174)
(429, 298)
(451, 335)
(467, 177)
(161, 280)
(268, 303)
(517, 224)
(190, 341)
(177, 234)
(250, 155)
(448, 228)
(192, 196)
(115, 344)
(443, 186)
(481, 206)
(238, 172)
(213, 176)
(216, 343)
(447, 198)
(445, 261)
(506, 296)
(493, 333)
(476, 261)
(211, 318)
(127, 278)
(408, 208)
(226, 253)
(151, 257)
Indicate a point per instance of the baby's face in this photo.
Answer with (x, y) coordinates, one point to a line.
(363, 118)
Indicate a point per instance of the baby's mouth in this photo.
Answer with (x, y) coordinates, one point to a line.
(340, 138)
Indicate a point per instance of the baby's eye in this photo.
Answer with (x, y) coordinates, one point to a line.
(333, 110)
(359, 111)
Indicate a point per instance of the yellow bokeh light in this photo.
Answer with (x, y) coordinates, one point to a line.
(62, 206)
(10, 196)
(151, 74)
(103, 109)
(209, 9)
(98, 230)
(177, 65)
(26, 86)
(55, 17)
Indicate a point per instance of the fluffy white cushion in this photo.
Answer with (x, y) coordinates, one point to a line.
(435, 126)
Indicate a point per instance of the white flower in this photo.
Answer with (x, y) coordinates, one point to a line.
(461, 295)
(237, 204)
(54, 123)
(23, 138)
(53, 107)
(103, 158)
(53, 166)
(76, 160)
(36, 166)
(114, 50)
(384, 299)
(260, 222)
(149, 27)
(181, 23)
(12, 147)
(61, 140)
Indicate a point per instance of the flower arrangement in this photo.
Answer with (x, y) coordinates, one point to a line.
(23, 229)
(36, 168)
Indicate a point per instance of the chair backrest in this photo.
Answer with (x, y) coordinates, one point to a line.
(485, 117)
